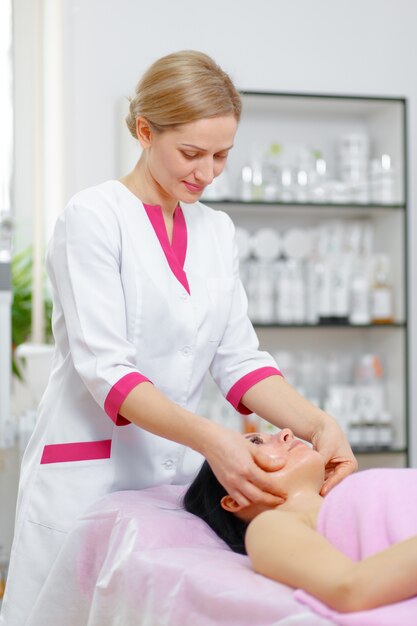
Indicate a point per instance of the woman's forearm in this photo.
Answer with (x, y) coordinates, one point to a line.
(384, 578)
(307, 560)
(240, 466)
(272, 398)
(150, 409)
(275, 400)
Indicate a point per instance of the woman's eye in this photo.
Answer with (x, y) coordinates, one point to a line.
(221, 157)
(256, 439)
(189, 155)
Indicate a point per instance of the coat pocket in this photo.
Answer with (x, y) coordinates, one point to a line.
(64, 487)
(79, 451)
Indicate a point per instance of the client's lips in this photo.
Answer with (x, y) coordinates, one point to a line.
(193, 188)
(296, 443)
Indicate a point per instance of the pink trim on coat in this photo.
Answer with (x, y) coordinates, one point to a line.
(175, 253)
(81, 451)
(246, 382)
(118, 393)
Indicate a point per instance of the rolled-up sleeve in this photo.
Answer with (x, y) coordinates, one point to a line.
(83, 263)
(238, 363)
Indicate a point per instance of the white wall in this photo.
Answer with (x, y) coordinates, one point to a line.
(362, 47)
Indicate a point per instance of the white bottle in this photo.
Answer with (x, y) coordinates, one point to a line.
(385, 431)
(297, 291)
(312, 300)
(265, 293)
(324, 280)
(381, 294)
(284, 306)
(360, 312)
(252, 288)
(341, 271)
(245, 183)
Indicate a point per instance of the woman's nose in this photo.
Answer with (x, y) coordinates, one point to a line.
(205, 173)
(286, 435)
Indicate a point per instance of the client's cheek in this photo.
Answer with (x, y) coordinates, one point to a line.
(274, 454)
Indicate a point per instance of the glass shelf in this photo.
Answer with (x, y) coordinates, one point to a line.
(377, 450)
(330, 325)
(305, 205)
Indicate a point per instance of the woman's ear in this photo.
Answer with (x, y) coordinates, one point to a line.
(143, 132)
(230, 505)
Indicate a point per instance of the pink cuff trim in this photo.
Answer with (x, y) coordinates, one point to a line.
(246, 382)
(118, 393)
(82, 451)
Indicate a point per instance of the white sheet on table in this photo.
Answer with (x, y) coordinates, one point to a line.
(137, 559)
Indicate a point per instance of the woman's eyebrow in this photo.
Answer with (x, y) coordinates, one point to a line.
(190, 145)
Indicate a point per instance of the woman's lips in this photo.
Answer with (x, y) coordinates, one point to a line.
(193, 188)
(296, 443)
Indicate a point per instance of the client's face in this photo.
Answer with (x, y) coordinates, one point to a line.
(302, 470)
(298, 458)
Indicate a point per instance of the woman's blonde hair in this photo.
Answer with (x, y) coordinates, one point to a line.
(183, 87)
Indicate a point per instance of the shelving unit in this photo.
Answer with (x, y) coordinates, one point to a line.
(318, 120)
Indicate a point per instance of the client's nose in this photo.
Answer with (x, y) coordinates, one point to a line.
(286, 435)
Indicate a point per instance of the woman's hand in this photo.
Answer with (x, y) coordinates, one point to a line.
(333, 445)
(242, 468)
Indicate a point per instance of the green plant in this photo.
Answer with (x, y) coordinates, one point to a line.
(22, 266)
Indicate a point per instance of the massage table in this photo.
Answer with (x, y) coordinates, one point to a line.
(136, 558)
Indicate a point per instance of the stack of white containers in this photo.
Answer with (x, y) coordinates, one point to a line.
(353, 158)
(325, 274)
(382, 180)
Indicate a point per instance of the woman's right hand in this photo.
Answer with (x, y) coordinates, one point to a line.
(242, 467)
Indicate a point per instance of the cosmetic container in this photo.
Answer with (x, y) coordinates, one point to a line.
(284, 303)
(265, 294)
(245, 183)
(382, 180)
(271, 173)
(265, 244)
(286, 184)
(359, 309)
(298, 292)
(257, 180)
(381, 293)
(385, 431)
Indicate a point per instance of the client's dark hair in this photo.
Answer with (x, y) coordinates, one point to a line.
(203, 499)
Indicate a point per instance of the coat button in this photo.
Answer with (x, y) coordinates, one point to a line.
(168, 464)
(186, 351)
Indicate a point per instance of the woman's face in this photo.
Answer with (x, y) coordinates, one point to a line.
(301, 464)
(302, 471)
(183, 161)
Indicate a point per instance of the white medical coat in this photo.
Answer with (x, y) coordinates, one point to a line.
(128, 307)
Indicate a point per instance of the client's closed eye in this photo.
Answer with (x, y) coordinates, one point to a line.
(256, 439)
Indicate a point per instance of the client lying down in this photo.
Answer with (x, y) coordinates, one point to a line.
(354, 550)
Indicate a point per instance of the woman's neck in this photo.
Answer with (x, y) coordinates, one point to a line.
(306, 503)
(141, 183)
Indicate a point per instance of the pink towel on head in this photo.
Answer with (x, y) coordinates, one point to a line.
(367, 513)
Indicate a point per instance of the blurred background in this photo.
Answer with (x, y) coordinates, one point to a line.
(320, 185)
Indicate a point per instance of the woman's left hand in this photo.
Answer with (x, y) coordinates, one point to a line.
(340, 461)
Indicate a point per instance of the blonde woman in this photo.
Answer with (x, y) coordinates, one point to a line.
(147, 300)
